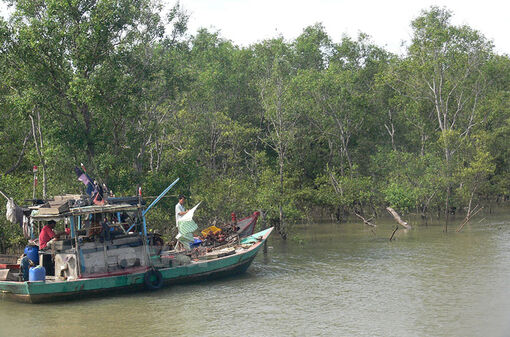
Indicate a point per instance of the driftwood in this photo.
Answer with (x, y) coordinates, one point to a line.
(394, 231)
(367, 222)
(397, 218)
(470, 215)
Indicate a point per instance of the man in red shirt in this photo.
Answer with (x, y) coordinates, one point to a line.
(46, 234)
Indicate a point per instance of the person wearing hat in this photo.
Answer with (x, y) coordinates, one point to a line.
(179, 209)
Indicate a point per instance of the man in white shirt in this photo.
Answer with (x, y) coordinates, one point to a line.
(179, 209)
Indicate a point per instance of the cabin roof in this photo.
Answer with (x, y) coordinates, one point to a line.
(84, 211)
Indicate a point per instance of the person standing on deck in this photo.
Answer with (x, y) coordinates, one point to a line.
(47, 234)
(179, 209)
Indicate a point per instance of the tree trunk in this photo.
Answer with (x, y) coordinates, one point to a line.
(447, 210)
(87, 118)
(391, 130)
(20, 157)
(280, 208)
(39, 147)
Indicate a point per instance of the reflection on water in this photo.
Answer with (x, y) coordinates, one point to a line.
(331, 280)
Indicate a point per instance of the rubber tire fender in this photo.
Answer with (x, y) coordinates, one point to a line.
(157, 283)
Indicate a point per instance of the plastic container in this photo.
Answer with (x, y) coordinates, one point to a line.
(33, 253)
(212, 229)
(196, 242)
(37, 274)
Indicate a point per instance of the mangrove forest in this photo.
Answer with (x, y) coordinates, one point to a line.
(315, 127)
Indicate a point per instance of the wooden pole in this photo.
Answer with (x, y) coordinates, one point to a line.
(34, 185)
(77, 245)
(5, 196)
(263, 220)
(394, 231)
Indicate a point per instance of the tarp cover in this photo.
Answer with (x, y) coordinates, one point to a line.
(187, 226)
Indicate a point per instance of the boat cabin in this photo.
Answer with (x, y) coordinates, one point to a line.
(101, 240)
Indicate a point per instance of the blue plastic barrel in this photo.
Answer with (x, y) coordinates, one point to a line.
(33, 253)
(37, 274)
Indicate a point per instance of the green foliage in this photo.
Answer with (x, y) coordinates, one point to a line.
(474, 174)
(17, 188)
(222, 196)
(408, 181)
(269, 198)
(284, 127)
(347, 192)
(400, 196)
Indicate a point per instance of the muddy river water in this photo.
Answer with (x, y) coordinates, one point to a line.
(326, 280)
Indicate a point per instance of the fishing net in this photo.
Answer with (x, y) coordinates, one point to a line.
(186, 226)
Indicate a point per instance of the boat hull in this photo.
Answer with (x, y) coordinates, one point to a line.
(37, 292)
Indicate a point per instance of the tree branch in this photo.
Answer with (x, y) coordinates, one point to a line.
(21, 155)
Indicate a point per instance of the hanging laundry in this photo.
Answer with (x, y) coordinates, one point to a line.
(10, 214)
(26, 227)
(14, 213)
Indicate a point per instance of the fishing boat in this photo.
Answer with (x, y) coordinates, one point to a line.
(108, 250)
(246, 226)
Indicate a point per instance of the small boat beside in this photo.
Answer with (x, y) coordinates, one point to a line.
(246, 226)
(106, 249)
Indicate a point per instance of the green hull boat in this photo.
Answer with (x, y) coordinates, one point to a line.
(236, 261)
